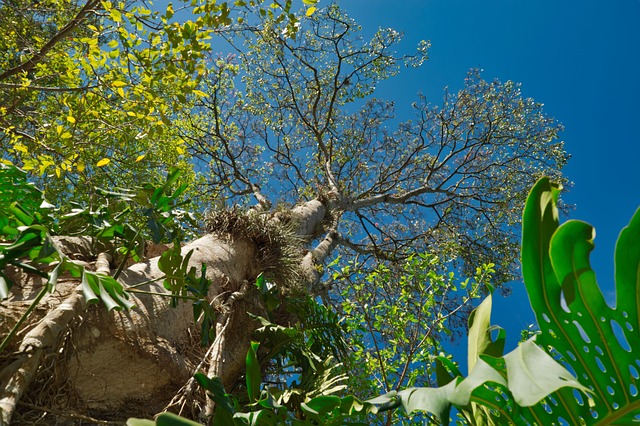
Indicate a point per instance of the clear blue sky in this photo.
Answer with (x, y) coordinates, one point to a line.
(580, 58)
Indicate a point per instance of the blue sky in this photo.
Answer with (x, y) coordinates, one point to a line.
(580, 58)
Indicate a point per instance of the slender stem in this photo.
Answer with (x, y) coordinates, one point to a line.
(126, 255)
(145, 282)
(133, 290)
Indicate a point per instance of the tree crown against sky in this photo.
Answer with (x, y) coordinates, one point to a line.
(297, 118)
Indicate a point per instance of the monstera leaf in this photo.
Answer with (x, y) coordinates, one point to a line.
(597, 341)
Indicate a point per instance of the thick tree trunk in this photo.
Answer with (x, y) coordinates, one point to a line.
(144, 352)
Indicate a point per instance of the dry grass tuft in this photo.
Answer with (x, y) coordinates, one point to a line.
(280, 250)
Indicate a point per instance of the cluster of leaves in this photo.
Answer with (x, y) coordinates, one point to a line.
(90, 89)
(74, 98)
(273, 406)
(580, 336)
(127, 217)
(26, 243)
(397, 314)
(298, 364)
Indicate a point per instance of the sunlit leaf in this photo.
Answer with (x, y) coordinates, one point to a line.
(103, 162)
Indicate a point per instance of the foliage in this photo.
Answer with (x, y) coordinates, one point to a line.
(272, 406)
(396, 315)
(75, 98)
(308, 350)
(99, 96)
(295, 118)
(90, 88)
(315, 336)
(25, 243)
(579, 331)
(576, 324)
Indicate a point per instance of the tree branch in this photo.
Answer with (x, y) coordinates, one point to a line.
(91, 6)
(45, 89)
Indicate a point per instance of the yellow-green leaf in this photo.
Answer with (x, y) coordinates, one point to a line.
(71, 119)
(118, 83)
(310, 11)
(103, 162)
(116, 16)
(21, 148)
(140, 157)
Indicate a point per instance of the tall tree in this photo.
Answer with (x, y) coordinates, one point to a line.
(287, 145)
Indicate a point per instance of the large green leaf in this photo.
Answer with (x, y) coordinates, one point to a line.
(533, 374)
(480, 329)
(576, 323)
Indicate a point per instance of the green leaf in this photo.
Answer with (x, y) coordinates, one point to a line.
(481, 374)
(322, 404)
(433, 400)
(479, 338)
(261, 282)
(216, 392)
(533, 374)
(105, 288)
(253, 376)
(22, 215)
(573, 316)
(446, 371)
(540, 221)
(170, 419)
(140, 422)
(53, 277)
